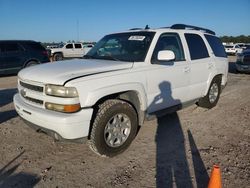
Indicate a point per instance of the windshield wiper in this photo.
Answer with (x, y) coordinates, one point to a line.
(88, 56)
(109, 58)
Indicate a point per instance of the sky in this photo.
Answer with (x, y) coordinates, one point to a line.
(90, 20)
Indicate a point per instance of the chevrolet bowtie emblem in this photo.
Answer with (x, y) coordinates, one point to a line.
(23, 92)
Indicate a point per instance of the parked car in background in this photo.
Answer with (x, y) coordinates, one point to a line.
(70, 50)
(247, 47)
(233, 49)
(17, 54)
(243, 61)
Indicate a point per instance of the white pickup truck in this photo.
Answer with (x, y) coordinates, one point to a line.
(70, 50)
(125, 79)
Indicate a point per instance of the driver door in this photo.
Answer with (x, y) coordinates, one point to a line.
(168, 82)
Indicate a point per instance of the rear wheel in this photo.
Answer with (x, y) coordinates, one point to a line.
(213, 95)
(114, 128)
(57, 57)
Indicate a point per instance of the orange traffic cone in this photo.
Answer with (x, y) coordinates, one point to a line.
(215, 178)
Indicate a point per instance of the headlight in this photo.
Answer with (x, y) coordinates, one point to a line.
(61, 91)
(240, 58)
(63, 107)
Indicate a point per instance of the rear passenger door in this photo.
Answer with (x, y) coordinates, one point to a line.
(12, 57)
(200, 64)
(78, 50)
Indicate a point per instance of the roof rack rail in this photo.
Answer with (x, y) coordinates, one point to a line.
(184, 26)
(136, 29)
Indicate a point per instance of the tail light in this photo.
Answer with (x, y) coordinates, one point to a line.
(45, 53)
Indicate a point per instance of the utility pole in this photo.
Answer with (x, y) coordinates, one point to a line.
(77, 28)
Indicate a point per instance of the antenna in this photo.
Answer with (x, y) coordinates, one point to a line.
(147, 27)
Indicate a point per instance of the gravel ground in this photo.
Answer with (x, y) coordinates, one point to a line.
(177, 150)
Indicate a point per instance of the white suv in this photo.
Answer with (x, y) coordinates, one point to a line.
(123, 80)
(70, 50)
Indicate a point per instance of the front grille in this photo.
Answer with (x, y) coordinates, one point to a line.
(34, 100)
(246, 59)
(31, 87)
(31, 93)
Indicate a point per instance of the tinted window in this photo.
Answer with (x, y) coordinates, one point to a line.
(78, 46)
(11, 47)
(69, 46)
(196, 45)
(169, 41)
(216, 45)
(35, 46)
(131, 46)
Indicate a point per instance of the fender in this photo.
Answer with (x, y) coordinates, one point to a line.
(96, 95)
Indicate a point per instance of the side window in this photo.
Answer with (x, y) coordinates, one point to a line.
(196, 46)
(169, 41)
(69, 46)
(216, 45)
(78, 46)
(11, 47)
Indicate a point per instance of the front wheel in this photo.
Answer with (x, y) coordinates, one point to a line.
(114, 128)
(213, 94)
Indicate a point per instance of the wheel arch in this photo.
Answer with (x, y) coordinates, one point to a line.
(219, 76)
(29, 60)
(131, 93)
(130, 96)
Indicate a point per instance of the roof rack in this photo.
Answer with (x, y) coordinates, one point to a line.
(136, 29)
(146, 27)
(183, 26)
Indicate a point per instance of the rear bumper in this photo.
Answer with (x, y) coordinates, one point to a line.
(64, 126)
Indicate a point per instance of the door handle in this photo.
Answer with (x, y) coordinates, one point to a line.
(210, 65)
(187, 69)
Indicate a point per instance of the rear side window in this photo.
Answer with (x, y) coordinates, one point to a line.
(35, 46)
(10, 47)
(78, 46)
(216, 45)
(196, 46)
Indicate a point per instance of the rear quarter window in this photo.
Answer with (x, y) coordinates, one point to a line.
(196, 46)
(216, 45)
(35, 46)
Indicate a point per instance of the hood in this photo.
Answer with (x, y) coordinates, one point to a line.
(61, 71)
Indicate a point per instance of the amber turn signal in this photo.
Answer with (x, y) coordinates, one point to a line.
(69, 108)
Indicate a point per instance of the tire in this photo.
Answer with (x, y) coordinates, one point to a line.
(31, 63)
(57, 57)
(114, 119)
(213, 94)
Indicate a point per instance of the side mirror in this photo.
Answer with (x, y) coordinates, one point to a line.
(166, 55)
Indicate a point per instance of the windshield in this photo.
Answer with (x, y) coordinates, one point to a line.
(60, 45)
(132, 46)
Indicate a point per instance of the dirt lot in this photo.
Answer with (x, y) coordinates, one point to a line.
(177, 150)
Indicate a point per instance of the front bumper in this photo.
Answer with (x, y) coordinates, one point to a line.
(242, 67)
(67, 126)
